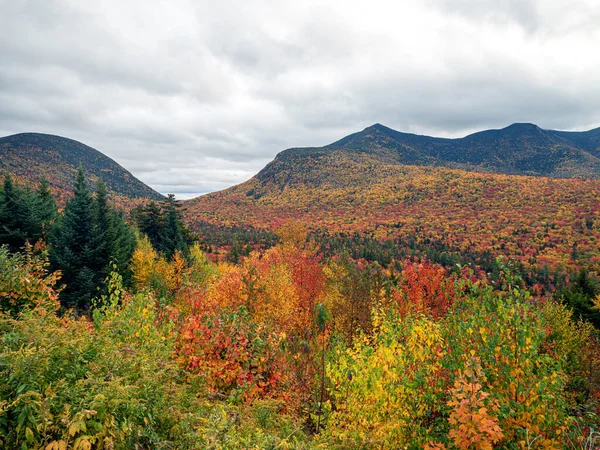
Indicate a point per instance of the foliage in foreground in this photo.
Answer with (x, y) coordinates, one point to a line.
(286, 350)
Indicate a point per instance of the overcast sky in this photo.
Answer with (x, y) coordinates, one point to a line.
(195, 96)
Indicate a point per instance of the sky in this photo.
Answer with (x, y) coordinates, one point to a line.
(196, 96)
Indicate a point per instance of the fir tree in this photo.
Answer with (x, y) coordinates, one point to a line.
(164, 227)
(150, 221)
(124, 245)
(103, 226)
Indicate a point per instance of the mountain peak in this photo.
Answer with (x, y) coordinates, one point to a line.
(377, 126)
(525, 127)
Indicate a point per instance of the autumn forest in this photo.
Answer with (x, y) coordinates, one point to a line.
(339, 299)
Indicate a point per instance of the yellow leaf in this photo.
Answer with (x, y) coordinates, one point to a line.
(73, 429)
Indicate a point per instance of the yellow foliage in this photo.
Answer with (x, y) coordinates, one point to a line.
(278, 299)
(293, 233)
(380, 385)
(142, 263)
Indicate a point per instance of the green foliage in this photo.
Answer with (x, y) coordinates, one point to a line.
(580, 295)
(496, 370)
(75, 248)
(113, 384)
(164, 227)
(105, 385)
(90, 236)
(384, 389)
(25, 216)
(280, 351)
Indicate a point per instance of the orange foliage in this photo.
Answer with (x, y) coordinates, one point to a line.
(425, 288)
(472, 420)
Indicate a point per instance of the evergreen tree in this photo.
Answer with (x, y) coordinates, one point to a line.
(18, 222)
(117, 240)
(44, 208)
(173, 236)
(103, 226)
(76, 248)
(124, 245)
(580, 297)
(164, 227)
(150, 221)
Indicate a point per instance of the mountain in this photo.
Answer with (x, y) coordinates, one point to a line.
(494, 192)
(521, 148)
(31, 156)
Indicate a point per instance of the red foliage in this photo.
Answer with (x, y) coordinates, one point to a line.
(238, 357)
(426, 288)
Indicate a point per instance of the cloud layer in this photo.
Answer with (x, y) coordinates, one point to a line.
(194, 96)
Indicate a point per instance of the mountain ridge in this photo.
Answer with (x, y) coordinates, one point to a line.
(31, 156)
(519, 149)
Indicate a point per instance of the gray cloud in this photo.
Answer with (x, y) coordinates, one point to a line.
(194, 96)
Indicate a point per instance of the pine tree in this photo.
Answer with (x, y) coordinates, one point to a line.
(124, 245)
(103, 226)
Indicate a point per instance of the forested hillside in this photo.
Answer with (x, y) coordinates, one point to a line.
(33, 156)
(540, 222)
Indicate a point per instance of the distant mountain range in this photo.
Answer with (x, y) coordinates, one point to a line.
(31, 156)
(520, 149)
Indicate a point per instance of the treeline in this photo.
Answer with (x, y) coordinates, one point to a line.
(90, 238)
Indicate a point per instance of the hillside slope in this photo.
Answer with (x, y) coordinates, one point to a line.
(31, 156)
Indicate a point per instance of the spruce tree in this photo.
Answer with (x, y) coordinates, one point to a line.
(103, 226)
(124, 245)
(116, 239)
(76, 248)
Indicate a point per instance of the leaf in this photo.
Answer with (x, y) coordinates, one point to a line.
(29, 435)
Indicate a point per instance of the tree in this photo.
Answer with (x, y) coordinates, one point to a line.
(44, 208)
(116, 239)
(174, 230)
(580, 297)
(24, 215)
(14, 216)
(150, 221)
(124, 245)
(164, 227)
(76, 248)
